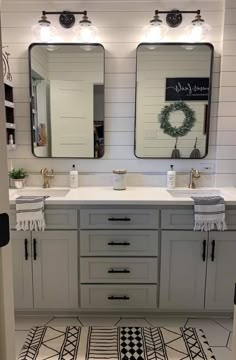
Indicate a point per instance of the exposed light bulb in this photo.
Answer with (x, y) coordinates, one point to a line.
(85, 33)
(45, 33)
(198, 30)
(155, 32)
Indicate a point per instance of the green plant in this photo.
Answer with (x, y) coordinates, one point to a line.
(17, 174)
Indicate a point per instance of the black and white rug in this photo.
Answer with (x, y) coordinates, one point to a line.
(112, 343)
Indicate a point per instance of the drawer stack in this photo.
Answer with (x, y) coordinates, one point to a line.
(118, 258)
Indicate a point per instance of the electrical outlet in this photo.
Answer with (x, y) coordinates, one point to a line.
(207, 168)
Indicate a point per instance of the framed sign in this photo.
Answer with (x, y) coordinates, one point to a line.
(187, 89)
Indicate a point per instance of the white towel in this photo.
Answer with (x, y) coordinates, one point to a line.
(30, 213)
(209, 213)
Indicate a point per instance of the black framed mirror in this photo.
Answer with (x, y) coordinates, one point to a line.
(67, 100)
(173, 100)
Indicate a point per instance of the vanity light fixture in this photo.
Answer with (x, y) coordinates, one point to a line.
(156, 30)
(45, 32)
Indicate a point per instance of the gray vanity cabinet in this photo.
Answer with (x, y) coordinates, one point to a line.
(55, 270)
(45, 264)
(221, 270)
(198, 270)
(45, 269)
(22, 269)
(183, 270)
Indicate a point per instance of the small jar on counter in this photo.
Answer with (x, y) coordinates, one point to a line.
(119, 179)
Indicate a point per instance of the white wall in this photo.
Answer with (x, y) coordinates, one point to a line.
(120, 29)
(226, 141)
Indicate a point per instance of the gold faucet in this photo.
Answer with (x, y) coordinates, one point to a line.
(194, 174)
(46, 177)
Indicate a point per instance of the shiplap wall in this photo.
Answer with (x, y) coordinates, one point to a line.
(120, 30)
(226, 140)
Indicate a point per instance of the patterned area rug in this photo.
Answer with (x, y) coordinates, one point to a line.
(112, 343)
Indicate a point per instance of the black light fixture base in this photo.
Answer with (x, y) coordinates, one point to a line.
(174, 18)
(67, 19)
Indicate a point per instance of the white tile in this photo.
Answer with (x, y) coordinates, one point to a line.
(226, 323)
(20, 337)
(133, 322)
(98, 320)
(27, 322)
(64, 321)
(222, 353)
(167, 321)
(216, 334)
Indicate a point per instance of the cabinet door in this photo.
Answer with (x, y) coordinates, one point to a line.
(22, 269)
(55, 270)
(183, 270)
(221, 270)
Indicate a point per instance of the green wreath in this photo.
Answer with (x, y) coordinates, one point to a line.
(188, 122)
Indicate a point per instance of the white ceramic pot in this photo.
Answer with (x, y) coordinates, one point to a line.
(19, 183)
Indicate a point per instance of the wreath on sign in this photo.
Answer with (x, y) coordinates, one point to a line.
(188, 123)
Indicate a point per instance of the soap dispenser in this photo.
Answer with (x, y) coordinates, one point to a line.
(73, 177)
(171, 178)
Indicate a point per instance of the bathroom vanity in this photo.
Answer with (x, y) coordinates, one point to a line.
(133, 250)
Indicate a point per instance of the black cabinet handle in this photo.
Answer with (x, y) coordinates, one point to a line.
(119, 271)
(26, 250)
(112, 243)
(118, 297)
(35, 249)
(204, 251)
(213, 246)
(119, 219)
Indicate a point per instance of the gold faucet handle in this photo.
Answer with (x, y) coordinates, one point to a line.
(52, 174)
(44, 171)
(196, 173)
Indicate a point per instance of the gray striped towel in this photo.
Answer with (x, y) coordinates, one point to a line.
(30, 213)
(209, 213)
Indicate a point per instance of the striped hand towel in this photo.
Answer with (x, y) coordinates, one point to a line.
(30, 213)
(209, 213)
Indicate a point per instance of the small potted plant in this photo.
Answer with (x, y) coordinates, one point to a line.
(18, 176)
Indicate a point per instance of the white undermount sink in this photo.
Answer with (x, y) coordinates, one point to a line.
(43, 192)
(186, 193)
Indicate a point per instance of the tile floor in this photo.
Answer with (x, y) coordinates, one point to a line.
(217, 330)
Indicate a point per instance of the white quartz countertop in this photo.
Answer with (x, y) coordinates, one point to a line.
(130, 196)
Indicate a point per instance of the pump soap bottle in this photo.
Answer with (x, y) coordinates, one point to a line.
(74, 178)
(171, 178)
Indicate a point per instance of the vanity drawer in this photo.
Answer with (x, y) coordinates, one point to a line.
(114, 297)
(118, 243)
(54, 218)
(177, 219)
(230, 217)
(119, 219)
(184, 219)
(118, 270)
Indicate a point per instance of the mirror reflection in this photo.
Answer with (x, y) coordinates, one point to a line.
(67, 100)
(173, 91)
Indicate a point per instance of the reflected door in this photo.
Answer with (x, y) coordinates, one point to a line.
(71, 118)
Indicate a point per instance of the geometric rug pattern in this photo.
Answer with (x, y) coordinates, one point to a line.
(115, 343)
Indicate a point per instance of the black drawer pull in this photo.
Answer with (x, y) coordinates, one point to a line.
(119, 271)
(213, 245)
(204, 251)
(112, 243)
(35, 249)
(118, 297)
(119, 219)
(26, 250)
